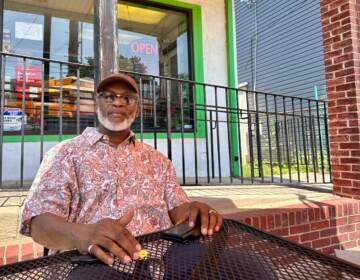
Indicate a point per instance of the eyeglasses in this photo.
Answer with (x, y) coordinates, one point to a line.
(110, 97)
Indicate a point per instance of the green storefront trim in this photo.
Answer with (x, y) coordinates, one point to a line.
(56, 137)
(234, 141)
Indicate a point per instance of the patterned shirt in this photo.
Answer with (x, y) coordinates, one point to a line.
(87, 179)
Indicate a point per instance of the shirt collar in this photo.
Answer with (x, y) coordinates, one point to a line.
(92, 135)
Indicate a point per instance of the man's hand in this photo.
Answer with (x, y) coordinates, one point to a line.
(211, 220)
(111, 235)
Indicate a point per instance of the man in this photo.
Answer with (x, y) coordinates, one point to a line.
(97, 191)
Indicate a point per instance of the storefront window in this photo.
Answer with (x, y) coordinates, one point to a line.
(155, 41)
(57, 31)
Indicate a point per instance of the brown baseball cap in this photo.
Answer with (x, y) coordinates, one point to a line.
(117, 78)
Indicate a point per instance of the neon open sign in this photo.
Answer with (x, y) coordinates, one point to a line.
(144, 48)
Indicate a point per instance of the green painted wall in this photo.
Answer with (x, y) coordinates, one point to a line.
(234, 141)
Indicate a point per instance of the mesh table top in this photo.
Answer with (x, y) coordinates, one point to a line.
(237, 252)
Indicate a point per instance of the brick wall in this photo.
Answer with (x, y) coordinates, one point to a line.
(341, 37)
(324, 226)
(19, 252)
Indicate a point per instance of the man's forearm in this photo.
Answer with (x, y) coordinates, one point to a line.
(54, 232)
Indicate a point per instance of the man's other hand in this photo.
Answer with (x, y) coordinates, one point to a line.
(211, 220)
(108, 238)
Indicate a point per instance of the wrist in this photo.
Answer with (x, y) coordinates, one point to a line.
(79, 236)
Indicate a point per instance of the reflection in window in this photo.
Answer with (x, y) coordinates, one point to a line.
(49, 29)
(155, 41)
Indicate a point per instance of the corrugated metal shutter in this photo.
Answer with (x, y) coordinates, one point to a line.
(288, 58)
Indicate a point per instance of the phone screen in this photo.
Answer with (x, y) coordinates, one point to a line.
(179, 229)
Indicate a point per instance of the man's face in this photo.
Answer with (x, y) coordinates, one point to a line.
(117, 106)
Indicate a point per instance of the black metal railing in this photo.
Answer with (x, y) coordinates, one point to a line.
(213, 134)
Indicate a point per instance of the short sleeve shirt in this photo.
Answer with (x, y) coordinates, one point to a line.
(87, 179)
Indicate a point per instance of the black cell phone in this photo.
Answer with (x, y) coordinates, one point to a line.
(83, 259)
(181, 233)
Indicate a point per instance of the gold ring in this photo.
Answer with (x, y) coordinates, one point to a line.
(212, 211)
(89, 249)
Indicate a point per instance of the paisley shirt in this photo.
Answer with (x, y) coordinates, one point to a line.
(87, 179)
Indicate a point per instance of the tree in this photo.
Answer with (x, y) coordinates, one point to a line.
(133, 64)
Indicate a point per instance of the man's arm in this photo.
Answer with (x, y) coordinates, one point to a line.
(55, 233)
(211, 220)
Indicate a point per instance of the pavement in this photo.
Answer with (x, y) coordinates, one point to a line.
(226, 199)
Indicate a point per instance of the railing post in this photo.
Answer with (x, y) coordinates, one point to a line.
(106, 45)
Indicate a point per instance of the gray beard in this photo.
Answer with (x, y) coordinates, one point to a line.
(125, 124)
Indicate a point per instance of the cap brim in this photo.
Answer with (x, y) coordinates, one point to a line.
(117, 78)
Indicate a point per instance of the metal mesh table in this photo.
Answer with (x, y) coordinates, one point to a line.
(237, 252)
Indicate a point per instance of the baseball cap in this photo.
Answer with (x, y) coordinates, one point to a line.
(117, 78)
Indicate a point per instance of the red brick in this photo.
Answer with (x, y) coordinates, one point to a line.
(2, 257)
(291, 218)
(280, 232)
(332, 212)
(321, 243)
(350, 175)
(294, 238)
(311, 215)
(277, 220)
(330, 250)
(255, 221)
(355, 138)
(39, 250)
(305, 216)
(354, 219)
(307, 244)
(317, 213)
(27, 251)
(345, 210)
(263, 222)
(348, 116)
(352, 191)
(298, 217)
(349, 160)
(341, 182)
(351, 145)
(285, 221)
(354, 235)
(328, 232)
(324, 213)
(299, 229)
(356, 208)
(349, 130)
(333, 68)
(12, 253)
(340, 238)
(309, 236)
(336, 167)
(355, 167)
(247, 221)
(347, 228)
(350, 244)
(319, 225)
(270, 222)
